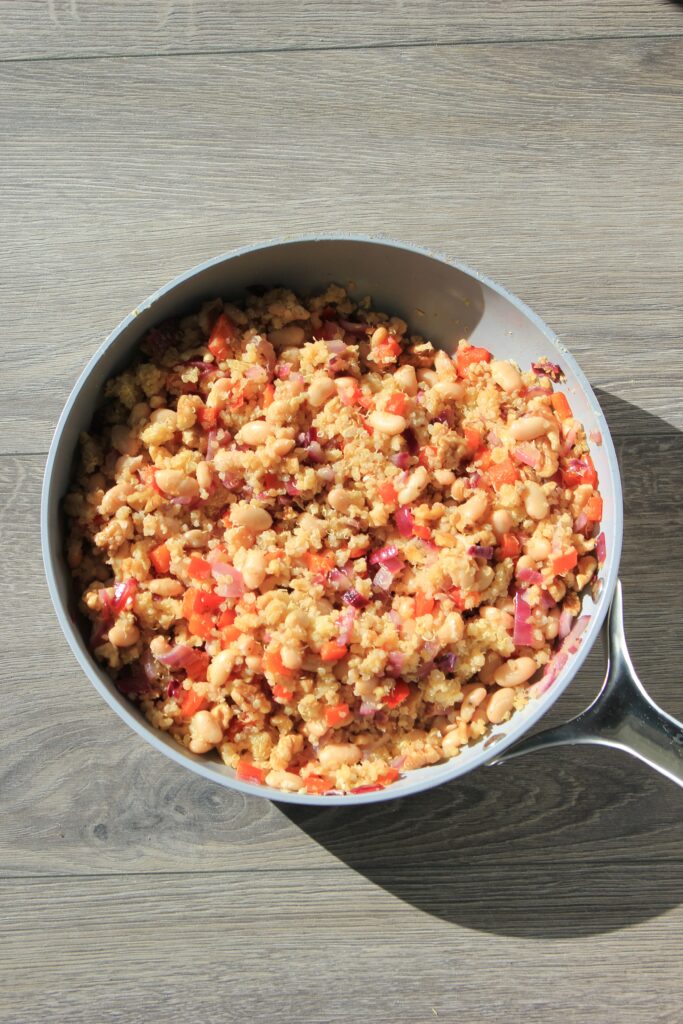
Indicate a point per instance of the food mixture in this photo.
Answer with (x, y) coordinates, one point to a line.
(320, 549)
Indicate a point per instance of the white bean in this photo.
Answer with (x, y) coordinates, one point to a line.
(535, 501)
(515, 671)
(406, 379)
(473, 509)
(255, 433)
(452, 629)
(320, 390)
(220, 668)
(501, 521)
(387, 422)
(124, 633)
(414, 485)
(252, 517)
(443, 364)
(528, 427)
(254, 569)
(334, 755)
(499, 705)
(205, 732)
(505, 375)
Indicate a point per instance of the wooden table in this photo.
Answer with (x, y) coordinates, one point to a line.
(541, 142)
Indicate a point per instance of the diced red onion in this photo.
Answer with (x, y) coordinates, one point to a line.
(395, 662)
(446, 662)
(123, 594)
(292, 489)
(569, 440)
(571, 643)
(338, 579)
(177, 657)
(480, 551)
(211, 444)
(552, 671)
(493, 439)
(336, 347)
(547, 369)
(382, 554)
(531, 576)
(565, 623)
(596, 437)
(400, 459)
(398, 762)
(581, 522)
(296, 377)
(230, 481)
(149, 665)
(182, 500)
(395, 617)
(283, 371)
(431, 648)
(383, 578)
(229, 579)
(546, 601)
(352, 327)
(367, 708)
(345, 625)
(256, 373)
(601, 548)
(356, 600)
(410, 438)
(523, 632)
(404, 521)
(528, 456)
(475, 479)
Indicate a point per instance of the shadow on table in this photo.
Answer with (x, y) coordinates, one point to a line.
(566, 842)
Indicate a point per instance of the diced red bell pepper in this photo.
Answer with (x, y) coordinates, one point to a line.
(423, 532)
(564, 563)
(248, 772)
(199, 568)
(317, 784)
(191, 703)
(387, 493)
(390, 775)
(273, 663)
(400, 692)
(467, 355)
(282, 694)
(332, 651)
(208, 418)
(197, 664)
(396, 403)
(201, 624)
(337, 715)
(559, 402)
(424, 604)
(160, 557)
(509, 546)
(500, 473)
(593, 508)
(223, 331)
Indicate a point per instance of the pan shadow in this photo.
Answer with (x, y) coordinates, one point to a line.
(570, 842)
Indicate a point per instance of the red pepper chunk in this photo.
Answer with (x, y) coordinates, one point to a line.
(317, 784)
(467, 355)
(223, 331)
(387, 493)
(396, 403)
(160, 558)
(400, 692)
(336, 715)
(564, 563)
(282, 694)
(248, 772)
(191, 703)
(199, 568)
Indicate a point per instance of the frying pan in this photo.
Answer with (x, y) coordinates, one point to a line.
(444, 301)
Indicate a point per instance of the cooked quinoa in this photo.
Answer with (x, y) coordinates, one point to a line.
(318, 548)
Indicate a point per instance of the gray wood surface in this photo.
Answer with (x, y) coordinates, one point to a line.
(138, 139)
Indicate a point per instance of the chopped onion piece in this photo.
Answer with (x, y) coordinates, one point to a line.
(601, 548)
(528, 455)
(523, 632)
(480, 551)
(531, 576)
(389, 551)
(355, 599)
(345, 625)
(400, 459)
(404, 521)
(565, 623)
(229, 579)
(384, 578)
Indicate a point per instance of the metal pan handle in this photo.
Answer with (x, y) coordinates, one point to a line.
(622, 715)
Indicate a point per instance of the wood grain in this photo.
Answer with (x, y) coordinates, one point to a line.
(64, 28)
(256, 945)
(547, 891)
(554, 168)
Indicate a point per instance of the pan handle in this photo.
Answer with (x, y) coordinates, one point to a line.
(622, 715)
